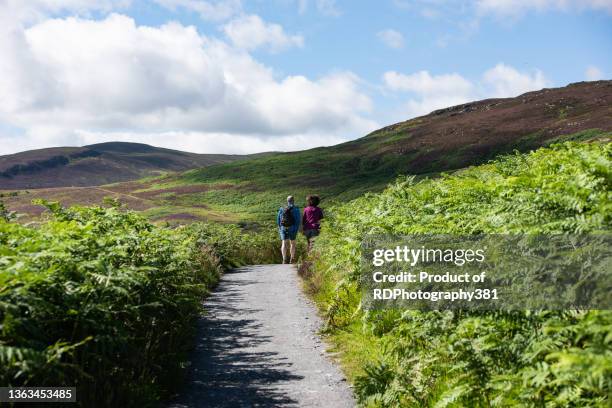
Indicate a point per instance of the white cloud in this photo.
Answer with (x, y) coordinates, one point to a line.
(217, 10)
(391, 38)
(192, 141)
(66, 77)
(251, 32)
(503, 81)
(430, 92)
(593, 73)
(515, 8)
(424, 83)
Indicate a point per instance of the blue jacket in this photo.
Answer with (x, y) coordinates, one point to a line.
(296, 216)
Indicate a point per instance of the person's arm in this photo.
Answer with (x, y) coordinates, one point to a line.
(278, 218)
(319, 217)
(304, 218)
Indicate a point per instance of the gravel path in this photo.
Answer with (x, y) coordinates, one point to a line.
(258, 347)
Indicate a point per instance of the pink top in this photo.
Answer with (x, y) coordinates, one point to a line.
(312, 218)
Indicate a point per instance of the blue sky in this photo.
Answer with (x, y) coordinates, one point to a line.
(235, 76)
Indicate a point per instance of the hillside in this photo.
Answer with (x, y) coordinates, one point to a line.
(444, 140)
(96, 164)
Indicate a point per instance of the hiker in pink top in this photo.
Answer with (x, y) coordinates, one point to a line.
(311, 221)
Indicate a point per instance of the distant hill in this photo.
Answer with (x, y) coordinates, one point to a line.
(96, 164)
(445, 140)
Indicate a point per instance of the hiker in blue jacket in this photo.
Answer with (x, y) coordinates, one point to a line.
(288, 221)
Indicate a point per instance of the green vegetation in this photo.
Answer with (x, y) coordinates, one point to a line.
(101, 299)
(251, 190)
(462, 358)
(5, 215)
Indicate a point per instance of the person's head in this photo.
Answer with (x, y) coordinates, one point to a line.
(290, 200)
(313, 200)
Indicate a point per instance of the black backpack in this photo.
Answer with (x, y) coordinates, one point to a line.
(287, 219)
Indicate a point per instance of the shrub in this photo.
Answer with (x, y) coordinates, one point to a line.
(101, 299)
(461, 358)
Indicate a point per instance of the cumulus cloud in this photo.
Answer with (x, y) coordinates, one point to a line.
(65, 77)
(593, 73)
(391, 38)
(251, 32)
(207, 10)
(424, 83)
(503, 81)
(430, 92)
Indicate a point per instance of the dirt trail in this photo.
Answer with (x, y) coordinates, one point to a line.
(258, 347)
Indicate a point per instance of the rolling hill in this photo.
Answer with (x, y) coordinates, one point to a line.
(96, 164)
(443, 141)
